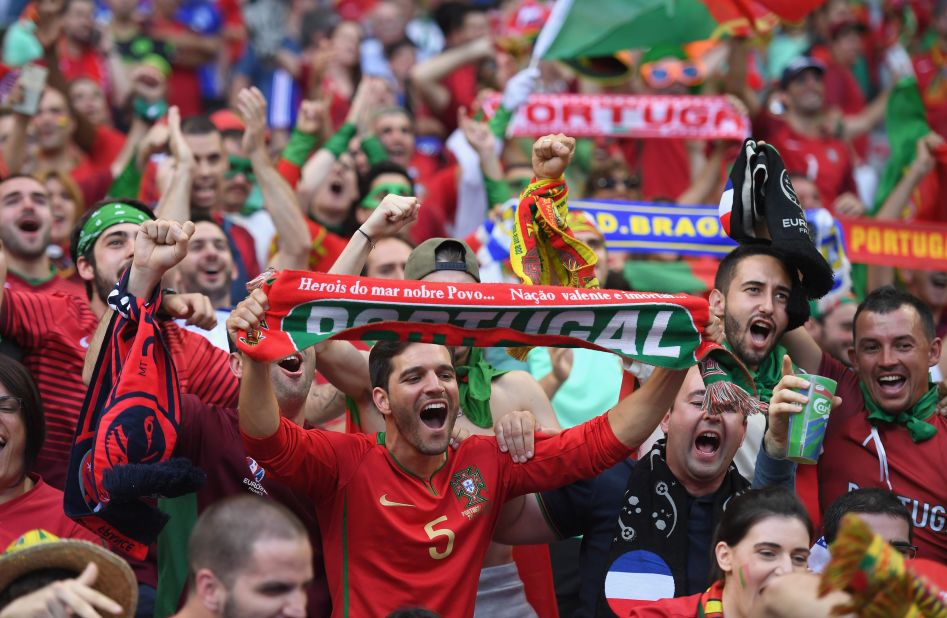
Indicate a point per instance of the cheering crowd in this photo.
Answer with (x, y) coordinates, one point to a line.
(186, 431)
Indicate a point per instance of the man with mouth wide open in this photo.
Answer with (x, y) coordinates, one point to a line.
(402, 519)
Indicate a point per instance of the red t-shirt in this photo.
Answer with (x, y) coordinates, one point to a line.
(662, 165)
(106, 147)
(88, 63)
(391, 539)
(827, 161)
(40, 508)
(71, 285)
(53, 330)
(918, 472)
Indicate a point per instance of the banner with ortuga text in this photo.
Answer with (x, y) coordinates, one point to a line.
(627, 115)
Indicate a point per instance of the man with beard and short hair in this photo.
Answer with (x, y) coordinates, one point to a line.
(886, 433)
(403, 487)
(25, 225)
(208, 267)
(750, 296)
(247, 558)
(55, 331)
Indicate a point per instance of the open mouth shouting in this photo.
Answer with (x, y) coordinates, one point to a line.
(434, 414)
(707, 443)
(892, 384)
(761, 332)
(29, 225)
(292, 364)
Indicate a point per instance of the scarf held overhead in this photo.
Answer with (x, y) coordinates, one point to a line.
(657, 329)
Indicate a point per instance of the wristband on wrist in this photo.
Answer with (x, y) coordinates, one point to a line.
(339, 142)
(299, 146)
(371, 243)
(374, 150)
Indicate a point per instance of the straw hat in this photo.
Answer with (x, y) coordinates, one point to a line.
(39, 549)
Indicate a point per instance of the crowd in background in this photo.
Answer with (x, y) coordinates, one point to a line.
(369, 137)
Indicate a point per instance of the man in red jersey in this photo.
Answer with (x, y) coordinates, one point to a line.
(402, 520)
(54, 331)
(886, 432)
(26, 222)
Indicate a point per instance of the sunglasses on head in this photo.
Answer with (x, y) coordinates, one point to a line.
(239, 165)
(664, 73)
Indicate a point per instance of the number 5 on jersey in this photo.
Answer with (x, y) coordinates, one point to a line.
(433, 533)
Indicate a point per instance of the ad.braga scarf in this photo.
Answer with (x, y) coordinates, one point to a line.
(657, 329)
(127, 429)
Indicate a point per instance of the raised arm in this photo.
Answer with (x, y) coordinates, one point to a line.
(393, 214)
(634, 418)
(427, 77)
(175, 202)
(258, 410)
(279, 199)
(735, 82)
(898, 203)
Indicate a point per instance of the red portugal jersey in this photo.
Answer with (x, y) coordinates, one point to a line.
(918, 472)
(824, 160)
(54, 330)
(392, 539)
(56, 282)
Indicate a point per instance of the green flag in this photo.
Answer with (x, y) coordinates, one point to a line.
(588, 28)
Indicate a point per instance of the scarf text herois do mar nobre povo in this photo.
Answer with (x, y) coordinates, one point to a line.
(306, 308)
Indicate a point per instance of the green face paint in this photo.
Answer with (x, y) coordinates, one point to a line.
(742, 576)
(378, 193)
(239, 165)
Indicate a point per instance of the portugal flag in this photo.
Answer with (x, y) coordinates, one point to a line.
(590, 28)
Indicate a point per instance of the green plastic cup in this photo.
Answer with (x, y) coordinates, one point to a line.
(807, 428)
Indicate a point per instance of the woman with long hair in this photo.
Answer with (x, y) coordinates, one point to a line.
(764, 534)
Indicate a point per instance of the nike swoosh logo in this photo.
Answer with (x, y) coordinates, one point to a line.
(386, 502)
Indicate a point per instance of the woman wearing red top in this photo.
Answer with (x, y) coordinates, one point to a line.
(26, 502)
(764, 534)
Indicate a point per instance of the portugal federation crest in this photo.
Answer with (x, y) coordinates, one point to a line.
(468, 484)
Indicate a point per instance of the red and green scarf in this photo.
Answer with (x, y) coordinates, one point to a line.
(665, 330)
(544, 251)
